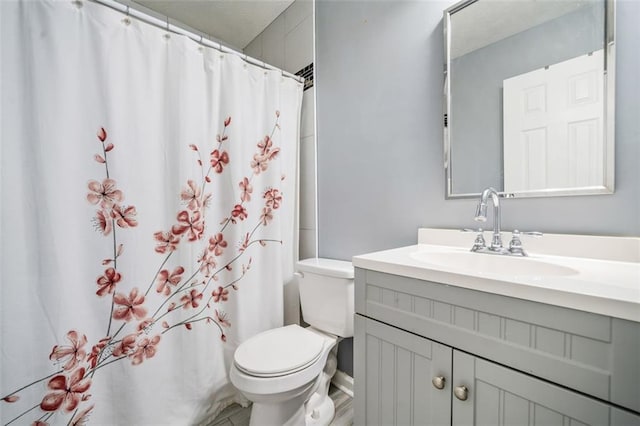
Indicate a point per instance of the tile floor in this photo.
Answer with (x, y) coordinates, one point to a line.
(235, 415)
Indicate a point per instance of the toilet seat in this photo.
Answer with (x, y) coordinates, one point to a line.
(279, 352)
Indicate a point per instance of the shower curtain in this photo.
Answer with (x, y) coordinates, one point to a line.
(147, 216)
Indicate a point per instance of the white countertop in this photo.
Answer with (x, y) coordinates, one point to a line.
(607, 287)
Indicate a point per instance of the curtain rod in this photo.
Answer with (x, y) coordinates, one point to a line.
(177, 29)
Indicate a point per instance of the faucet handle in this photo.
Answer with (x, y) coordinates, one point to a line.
(515, 246)
(479, 242)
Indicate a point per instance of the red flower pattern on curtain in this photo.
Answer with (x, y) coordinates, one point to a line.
(66, 389)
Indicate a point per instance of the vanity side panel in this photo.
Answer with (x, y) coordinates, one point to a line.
(564, 346)
(625, 377)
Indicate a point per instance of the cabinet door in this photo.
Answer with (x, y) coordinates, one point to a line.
(393, 373)
(498, 395)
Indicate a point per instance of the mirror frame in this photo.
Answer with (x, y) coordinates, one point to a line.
(608, 126)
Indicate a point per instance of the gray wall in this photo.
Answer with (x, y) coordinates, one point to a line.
(379, 107)
(475, 124)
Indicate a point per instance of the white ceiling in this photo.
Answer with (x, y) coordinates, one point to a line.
(485, 22)
(234, 22)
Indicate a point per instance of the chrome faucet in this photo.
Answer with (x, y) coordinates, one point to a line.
(481, 216)
(479, 246)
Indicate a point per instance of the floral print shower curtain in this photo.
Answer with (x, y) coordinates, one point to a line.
(147, 216)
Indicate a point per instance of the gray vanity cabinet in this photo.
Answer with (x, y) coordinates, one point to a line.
(513, 362)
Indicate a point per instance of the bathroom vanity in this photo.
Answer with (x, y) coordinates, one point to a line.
(552, 339)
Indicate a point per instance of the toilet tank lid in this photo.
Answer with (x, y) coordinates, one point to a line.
(327, 267)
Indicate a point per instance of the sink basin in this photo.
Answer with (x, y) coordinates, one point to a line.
(482, 264)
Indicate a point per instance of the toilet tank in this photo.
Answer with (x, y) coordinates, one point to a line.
(326, 295)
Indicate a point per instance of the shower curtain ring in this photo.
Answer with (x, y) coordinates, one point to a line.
(168, 35)
(126, 19)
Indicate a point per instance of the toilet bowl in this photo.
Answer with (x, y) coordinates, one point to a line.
(278, 371)
(286, 371)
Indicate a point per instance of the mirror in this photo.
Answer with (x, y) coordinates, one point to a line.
(529, 97)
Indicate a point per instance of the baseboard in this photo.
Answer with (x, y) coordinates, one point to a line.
(344, 382)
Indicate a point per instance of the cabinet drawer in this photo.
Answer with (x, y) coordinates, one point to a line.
(591, 353)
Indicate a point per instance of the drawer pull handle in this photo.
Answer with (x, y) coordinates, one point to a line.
(438, 382)
(461, 392)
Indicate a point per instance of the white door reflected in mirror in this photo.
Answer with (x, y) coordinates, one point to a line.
(553, 126)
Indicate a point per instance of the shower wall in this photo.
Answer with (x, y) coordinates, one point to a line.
(287, 43)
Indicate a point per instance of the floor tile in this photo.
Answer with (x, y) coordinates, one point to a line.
(235, 415)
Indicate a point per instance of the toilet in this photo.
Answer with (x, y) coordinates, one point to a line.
(286, 371)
